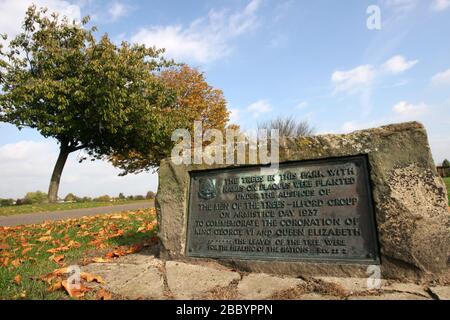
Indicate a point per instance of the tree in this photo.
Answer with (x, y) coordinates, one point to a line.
(121, 196)
(446, 163)
(196, 101)
(87, 94)
(288, 127)
(71, 198)
(150, 195)
(104, 198)
(6, 202)
(35, 197)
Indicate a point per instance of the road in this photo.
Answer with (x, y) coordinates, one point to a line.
(39, 217)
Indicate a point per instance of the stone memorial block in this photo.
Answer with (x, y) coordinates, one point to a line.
(337, 205)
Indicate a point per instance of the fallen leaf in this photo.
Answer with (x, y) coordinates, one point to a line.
(44, 239)
(75, 291)
(73, 244)
(91, 278)
(24, 251)
(55, 250)
(57, 258)
(15, 263)
(102, 294)
(4, 246)
(4, 261)
(100, 260)
(17, 279)
(135, 248)
(60, 271)
(55, 286)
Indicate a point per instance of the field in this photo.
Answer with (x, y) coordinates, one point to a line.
(447, 183)
(34, 208)
(33, 257)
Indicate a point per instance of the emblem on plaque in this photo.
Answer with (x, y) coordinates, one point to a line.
(207, 188)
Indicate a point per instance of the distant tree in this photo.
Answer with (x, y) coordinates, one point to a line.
(20, 202)
(104, 198)
(121, 196)
(446, 163)
(6, 202)
(139, 197)
(86, 199)
(35, 197)
(86, 93)
(130, 198)
(71, 198)
(288, 127)
(150, 195)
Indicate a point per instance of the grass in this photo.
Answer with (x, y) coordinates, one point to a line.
(44, 207)
(24, 250)
(447, 184)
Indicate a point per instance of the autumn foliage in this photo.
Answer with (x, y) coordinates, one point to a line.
(35, 259)
(196, 100)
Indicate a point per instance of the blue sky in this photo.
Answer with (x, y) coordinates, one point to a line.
(314, 60)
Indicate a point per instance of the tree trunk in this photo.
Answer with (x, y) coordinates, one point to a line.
(56, 176)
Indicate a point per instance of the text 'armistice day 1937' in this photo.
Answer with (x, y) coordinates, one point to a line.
(310, 210)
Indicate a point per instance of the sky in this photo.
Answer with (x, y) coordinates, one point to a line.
(313, 60)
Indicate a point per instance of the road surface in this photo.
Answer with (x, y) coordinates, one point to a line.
(39, 217)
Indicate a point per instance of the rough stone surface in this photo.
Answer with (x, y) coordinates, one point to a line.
(390, 296)
(316, 296)
(350, 285)
(441, 292)
(257, 286)
(410, 202)
(189, 281)
(142, 278)
(407, 288)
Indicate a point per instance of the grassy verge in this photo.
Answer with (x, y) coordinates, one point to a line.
(29, 252)
(447, 184)
(44, 207)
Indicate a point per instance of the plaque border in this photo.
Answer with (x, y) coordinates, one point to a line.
(343, 261)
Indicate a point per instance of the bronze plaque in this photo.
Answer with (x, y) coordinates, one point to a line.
(317, 210)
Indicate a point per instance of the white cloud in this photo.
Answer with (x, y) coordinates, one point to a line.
(206, 39)
(398, 64)
(352, 80)
(27, 166)
(408, 109)
(301, 105)
(259, 107)
(12, 12)
(361, 78)
(117, 10)
(440, 5)
(441, 78)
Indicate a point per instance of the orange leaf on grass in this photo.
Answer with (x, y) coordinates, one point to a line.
(57, 258)
(24, 251)
(45, 239)
(17, 279)
(4, 246)
(16, 262)
(4, 261)
(56, 250)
